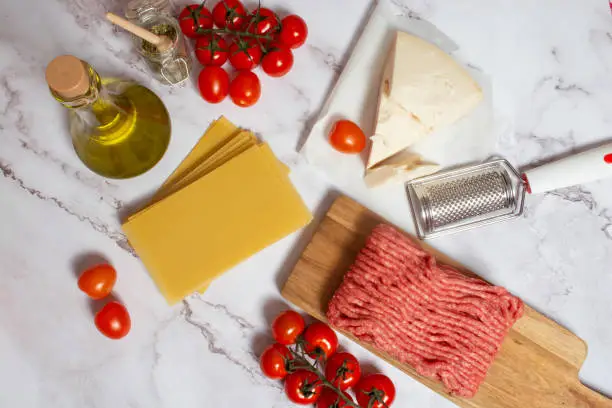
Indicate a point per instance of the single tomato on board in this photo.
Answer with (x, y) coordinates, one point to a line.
(273, 361)
(98, 281)
(375, 391)
(194, 19)
(303, 387)
(229, 13)
(287, 326)
(346, 137)
(343, 370)
(113, 320)
(213, 83)
(319, 339)
(245, 89)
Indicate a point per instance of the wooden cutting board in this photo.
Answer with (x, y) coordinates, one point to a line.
(537, 366)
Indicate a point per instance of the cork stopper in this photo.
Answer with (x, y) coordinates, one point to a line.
(67, 76)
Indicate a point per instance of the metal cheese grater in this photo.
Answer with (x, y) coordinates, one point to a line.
(472, 196)
(465, 198)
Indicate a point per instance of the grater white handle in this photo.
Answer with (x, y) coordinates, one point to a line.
(594, 164)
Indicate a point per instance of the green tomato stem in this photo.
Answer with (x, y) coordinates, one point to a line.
(300, 357)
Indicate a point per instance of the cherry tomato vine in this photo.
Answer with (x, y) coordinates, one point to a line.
(305, 356)
(246, 39)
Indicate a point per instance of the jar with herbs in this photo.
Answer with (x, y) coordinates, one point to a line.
(171, 65)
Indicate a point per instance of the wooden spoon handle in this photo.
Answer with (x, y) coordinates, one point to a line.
(137, 31)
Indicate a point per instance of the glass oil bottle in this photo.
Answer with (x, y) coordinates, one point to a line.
(119, 129)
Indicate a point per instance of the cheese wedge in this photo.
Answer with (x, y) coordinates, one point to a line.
(399, 168)
(422, 89)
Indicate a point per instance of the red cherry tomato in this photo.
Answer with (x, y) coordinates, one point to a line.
(194, 19)
(273, 361)
(263, 21)
(211, 50)
(293, 31)
(278, 61)
(320, 339)
(329, 399)
(287, 327)
(245, 89)
(229, 13)
(375, 391)
(346, 137)
(213, 83)
(303, 387)
(113, 320)
(343, 370)
(98, 281)
(244, 54)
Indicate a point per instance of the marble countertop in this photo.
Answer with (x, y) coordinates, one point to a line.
(551, 67)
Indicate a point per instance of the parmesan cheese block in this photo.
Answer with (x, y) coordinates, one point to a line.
(399, 168)
(422, 89)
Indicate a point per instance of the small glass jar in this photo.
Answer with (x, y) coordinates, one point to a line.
(137, 10)
(171, 66)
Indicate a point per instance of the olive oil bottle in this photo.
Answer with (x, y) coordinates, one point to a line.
(119, 129)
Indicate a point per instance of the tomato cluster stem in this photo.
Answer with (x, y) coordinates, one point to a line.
(237, 33)
(300, 356)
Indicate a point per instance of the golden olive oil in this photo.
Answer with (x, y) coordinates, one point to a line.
(119, 129)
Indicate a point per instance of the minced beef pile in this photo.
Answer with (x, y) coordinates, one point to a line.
(444, 324)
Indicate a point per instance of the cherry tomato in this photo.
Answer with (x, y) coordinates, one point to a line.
(98, 281)
(194, 19)
(293, 31)
(244, 54)
(287, 327)
(278, 61)
(343, 370)
(230, 13)
(375, 391)
(329, 399)
(211, 50)
(245, 89)
(273, 361)
(263, 21)
(346, 137)
(214, 84)
(303, 387)
(320, 339)
(113, 320)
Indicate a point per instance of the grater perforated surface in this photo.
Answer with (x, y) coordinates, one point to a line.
(465, 197)
(468, 197)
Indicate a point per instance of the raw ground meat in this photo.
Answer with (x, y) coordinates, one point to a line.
(444, 324)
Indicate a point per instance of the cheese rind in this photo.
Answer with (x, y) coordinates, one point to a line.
(422, 89)
(400, 168)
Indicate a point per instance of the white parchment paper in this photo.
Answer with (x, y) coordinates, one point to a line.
(355, 97)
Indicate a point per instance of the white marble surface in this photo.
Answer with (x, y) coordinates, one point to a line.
(551, 67)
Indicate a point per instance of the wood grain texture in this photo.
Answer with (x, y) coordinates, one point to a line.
(537, 366)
